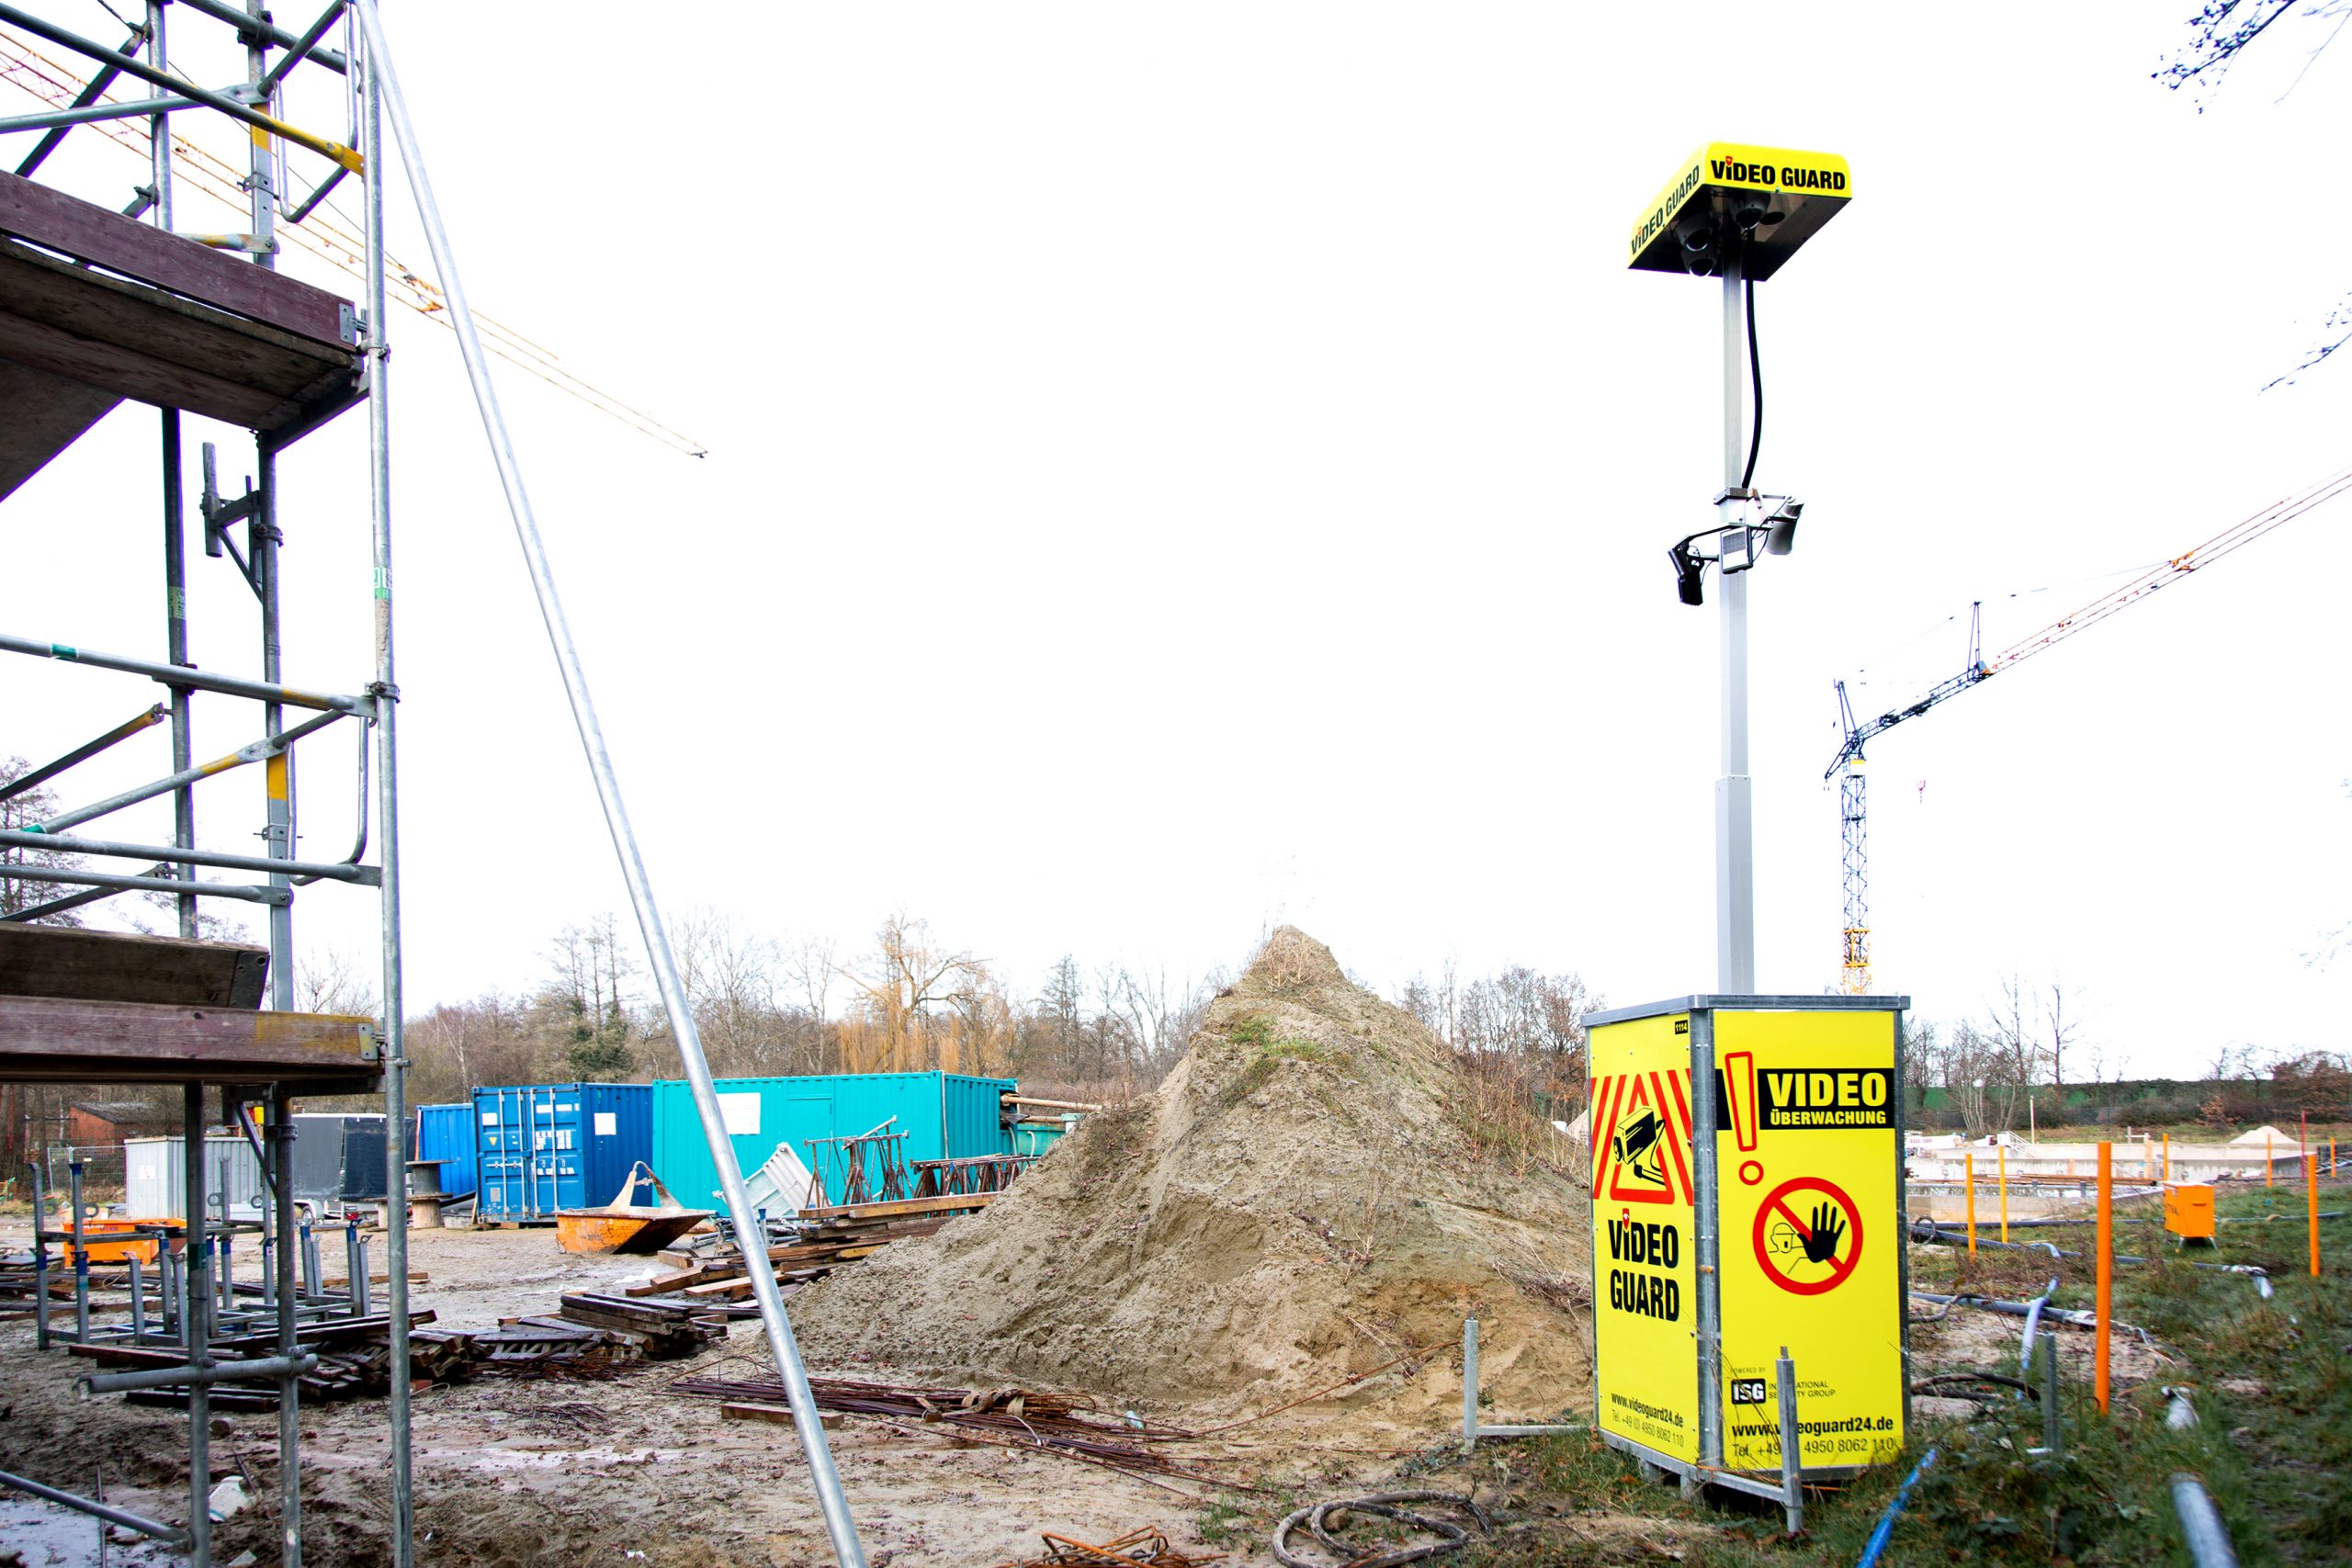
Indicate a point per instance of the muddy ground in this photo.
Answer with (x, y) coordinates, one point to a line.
(534, 1472)
(515, 1472)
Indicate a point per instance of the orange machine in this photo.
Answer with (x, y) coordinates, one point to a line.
(109, 1245)
(2188, 1210)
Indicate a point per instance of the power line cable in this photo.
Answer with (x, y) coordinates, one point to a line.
(42, 77)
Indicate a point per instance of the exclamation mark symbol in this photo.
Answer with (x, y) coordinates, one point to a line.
(1739, 1090)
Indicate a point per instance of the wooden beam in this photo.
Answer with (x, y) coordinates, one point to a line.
(91, 233)
(119, 966)
(1048, 1104)
(41, 415)
(158, 324)
(901, 1206)
(59, 1039)
(130, 373)
(780, 1414)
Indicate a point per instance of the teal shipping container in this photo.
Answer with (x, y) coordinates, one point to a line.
(944, 1116)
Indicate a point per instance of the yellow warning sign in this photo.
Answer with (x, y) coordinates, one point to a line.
(1646, 1299)
(1780, 1225)
(1686, 218)
(1810, 1216)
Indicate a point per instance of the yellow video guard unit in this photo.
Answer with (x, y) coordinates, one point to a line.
(1793, 194)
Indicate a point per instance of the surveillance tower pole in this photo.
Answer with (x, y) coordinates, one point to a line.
(1735, 808)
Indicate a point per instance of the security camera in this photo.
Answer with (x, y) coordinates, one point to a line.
(1781, 528)
(1689, 582)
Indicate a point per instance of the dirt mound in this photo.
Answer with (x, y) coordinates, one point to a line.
(1304, 1198)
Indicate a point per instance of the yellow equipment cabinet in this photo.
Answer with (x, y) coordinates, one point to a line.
(2188, 1210)
(1748, 1197)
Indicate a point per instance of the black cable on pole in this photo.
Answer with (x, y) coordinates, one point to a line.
(1755, 379)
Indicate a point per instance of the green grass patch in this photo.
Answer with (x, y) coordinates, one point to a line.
(1266, 1056)
(2271, 1381)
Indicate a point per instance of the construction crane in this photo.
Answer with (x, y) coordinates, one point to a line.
(311, 226)
(1847, 767)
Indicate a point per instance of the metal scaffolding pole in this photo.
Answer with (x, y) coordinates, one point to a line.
(289, 1307)
(374, 86)
(386, 95)
(195, 1318)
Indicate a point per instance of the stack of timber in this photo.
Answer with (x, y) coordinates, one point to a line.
(549, 1345)
(825, 1239)
(593, 1335)
(664, 1330)
(353, 1362)
(1018, 1418)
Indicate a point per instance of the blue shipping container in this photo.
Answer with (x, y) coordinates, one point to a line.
(945, 1115)
(542, 1147)
(446, 1133)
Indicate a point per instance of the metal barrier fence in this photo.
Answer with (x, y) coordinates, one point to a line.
(103, 1172)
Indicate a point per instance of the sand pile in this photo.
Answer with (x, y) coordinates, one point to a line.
(1301, 1201)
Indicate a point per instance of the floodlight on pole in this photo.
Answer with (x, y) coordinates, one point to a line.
(1737, 212)
(1768, 526)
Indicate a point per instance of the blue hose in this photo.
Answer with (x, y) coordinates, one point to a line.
(1886, 1520)
(2032, 1320)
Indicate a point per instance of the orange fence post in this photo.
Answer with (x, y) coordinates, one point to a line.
(1972, 1203)
(2167, 1156)
(2106, 1272)
(2268, 1157)
(2005, 1192)
(2311, 1205)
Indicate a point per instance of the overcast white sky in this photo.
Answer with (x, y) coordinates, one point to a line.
(1175, 470)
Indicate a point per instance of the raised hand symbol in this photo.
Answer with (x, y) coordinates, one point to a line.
(1828, 1230)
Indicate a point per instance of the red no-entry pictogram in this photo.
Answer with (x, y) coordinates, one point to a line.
(1829, 1231)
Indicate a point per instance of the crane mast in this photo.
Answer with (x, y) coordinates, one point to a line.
(1847, 767)
(1853, 798)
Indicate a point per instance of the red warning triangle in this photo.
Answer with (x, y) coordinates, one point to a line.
(1643, 1145)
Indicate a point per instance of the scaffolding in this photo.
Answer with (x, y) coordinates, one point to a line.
(188, 329)
(107, 301)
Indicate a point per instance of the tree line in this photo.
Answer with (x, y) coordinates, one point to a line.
(2024, 1062)
(907, 1000)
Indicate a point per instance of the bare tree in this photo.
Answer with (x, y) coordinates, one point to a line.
(731, 978)
(1974, 1065)
(328, 979)
(2219, 36)
(1418, 1000)
(18, 812)
(2061, 1035)
(907, 978)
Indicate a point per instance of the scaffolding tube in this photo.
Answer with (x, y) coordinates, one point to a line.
(364, 876)
(109, 884)
(250, 26)
(186, 675)
(367, 126)
(129, 66)
(168, 1534)
(266, 1367)
(260, 751)
(85, 114)
(839, 1526)
(83, 753)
